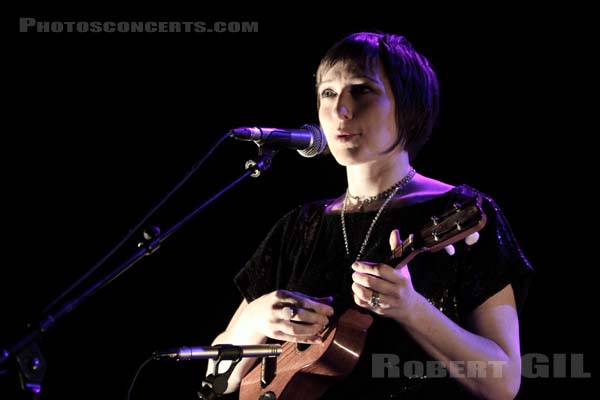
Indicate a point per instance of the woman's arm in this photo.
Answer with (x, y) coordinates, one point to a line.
(486, 361)
(238, 331)
(489, 358)
(269, 317)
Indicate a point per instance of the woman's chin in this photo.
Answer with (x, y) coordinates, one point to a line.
(347, 156)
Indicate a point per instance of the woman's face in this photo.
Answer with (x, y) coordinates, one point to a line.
(357, 113)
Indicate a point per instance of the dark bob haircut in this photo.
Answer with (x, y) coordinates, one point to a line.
(413, 81)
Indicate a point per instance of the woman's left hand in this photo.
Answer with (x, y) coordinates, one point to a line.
(385, 290)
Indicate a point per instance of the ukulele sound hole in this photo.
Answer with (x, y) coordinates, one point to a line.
(302, 346)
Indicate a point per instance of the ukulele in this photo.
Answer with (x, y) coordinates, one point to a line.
(305, 372)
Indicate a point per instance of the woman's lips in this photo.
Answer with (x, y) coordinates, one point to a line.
(345, 137)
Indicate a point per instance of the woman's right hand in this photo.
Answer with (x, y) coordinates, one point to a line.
(290, 316)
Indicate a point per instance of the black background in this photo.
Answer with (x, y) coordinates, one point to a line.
(101, 126)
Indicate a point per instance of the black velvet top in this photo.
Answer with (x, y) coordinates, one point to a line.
(305, 252)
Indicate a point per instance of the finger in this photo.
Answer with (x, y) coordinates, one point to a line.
(363, 300)
(316, 306)
(450, 250)
(396, 249)
(395, 240)
(279, 335)
(363, 293)
(472, 238)
(299, 329)
(304, 315)
(373, 283)
(324, 300)
(289, 313)
(359, 301)
(381, 270)
(287, 298)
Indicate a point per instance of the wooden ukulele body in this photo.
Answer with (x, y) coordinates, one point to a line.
(307, 373)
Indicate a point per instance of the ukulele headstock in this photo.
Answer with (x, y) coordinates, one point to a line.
(451, 226)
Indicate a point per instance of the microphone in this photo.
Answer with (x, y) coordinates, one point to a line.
(309, 140)
(223, 351)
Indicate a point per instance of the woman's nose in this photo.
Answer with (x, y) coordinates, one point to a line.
(343, 108)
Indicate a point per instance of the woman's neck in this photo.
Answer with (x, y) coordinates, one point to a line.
(370, 179)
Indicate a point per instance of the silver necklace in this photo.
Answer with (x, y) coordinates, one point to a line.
(391, 192)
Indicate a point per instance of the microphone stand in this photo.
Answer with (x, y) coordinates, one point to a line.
(214, 386)
(32, 365)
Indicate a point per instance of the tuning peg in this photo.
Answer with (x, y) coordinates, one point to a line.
(472, 238)
(450, 250)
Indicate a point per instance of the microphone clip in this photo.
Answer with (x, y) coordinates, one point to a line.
(214, 385)
(265, 154)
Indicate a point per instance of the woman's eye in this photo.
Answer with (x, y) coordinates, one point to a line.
(360, 89)
(327, 93)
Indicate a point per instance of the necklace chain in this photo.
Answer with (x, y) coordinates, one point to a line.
(391, 192)
(370, 199)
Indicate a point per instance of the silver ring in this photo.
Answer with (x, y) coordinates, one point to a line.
(374, 300)
(293, 312)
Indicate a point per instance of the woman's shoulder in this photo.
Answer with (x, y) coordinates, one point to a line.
(422, 189)
(437, 195)
(426, 188)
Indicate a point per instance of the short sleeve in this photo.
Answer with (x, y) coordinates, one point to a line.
(261, 273)
(492, 263)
